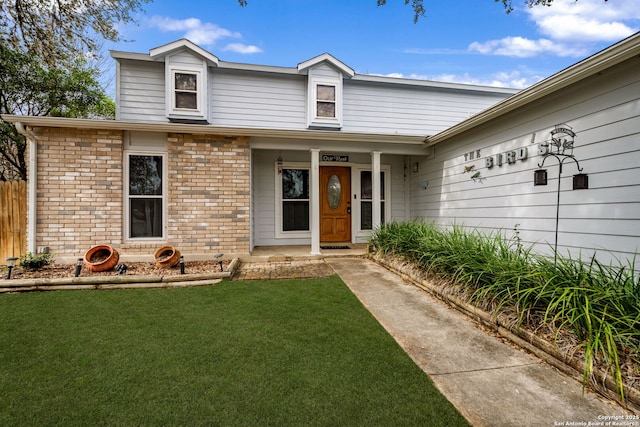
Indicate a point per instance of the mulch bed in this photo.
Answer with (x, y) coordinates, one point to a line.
(133, 269)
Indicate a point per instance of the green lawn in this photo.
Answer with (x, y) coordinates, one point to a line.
(285, 352)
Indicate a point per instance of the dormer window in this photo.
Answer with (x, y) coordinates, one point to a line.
(324, 91)
(186, 91)
(325, 103)
(186, 77)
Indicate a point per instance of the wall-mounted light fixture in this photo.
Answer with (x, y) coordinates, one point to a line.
(11, 262)
(279, 161)
(415, 167)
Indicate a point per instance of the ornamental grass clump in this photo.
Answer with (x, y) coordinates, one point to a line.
(598, 305)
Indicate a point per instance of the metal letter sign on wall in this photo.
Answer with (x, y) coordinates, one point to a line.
(334, 158)
(509, 157)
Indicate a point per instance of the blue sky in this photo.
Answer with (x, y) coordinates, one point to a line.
(463, 41)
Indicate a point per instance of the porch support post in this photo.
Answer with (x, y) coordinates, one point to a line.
(375, 184)
(314, 202)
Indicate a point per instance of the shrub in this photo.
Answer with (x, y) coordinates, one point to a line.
(35, 262)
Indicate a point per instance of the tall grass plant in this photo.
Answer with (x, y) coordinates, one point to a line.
(596, 303)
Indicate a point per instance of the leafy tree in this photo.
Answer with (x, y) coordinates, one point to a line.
(420, 11)
(62, 29)
(47, 52)
(29, 87)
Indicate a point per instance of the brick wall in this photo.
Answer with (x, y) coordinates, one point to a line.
(209, 193)
(79, 189)
(80, 193)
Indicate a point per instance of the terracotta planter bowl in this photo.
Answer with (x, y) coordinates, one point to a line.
(167, 257)
(101, 258)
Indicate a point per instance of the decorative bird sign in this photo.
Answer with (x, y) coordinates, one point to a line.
(476, 176)
(468, 168)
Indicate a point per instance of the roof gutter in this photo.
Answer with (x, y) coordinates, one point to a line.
(324, 135)
(590, 66)
(32, 186)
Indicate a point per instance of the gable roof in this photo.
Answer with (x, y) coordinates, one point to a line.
(160, 52)
(331, 60)
(607, 58)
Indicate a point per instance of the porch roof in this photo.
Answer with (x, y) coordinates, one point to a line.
(413, 144)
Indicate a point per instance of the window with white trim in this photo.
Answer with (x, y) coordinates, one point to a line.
(145, 193)
(186, 97)
(186, 90)
(294, 194)
(325, 102)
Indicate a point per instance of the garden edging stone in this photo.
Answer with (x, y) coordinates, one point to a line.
(116, 281)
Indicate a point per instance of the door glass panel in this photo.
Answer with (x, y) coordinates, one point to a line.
(334, 192)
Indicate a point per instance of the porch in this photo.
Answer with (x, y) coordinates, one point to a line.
(303, 252)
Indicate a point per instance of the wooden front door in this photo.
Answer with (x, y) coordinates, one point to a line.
(335, 204)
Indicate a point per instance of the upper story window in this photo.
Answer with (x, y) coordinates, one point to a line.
(186, 92)
(325, 102)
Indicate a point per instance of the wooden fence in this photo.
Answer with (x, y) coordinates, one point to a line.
(13, 219)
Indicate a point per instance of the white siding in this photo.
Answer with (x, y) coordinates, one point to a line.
(257, 100)
(279, 101)
(264, 190)
(408, 110)
(604, 112)
(141, 95)
(185, 59)
(398, 183)
(324, 70)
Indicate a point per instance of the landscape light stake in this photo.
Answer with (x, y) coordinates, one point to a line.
(11, 262)
(562, 138)
(181, 264)
(218, 257)
(78, 267)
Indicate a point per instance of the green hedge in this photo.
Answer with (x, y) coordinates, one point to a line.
(599, 304)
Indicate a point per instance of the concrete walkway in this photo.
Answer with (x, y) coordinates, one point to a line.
(490, 382)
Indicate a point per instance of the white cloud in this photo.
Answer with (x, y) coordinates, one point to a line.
(501, 79)
(521, 47)
(201, 33)
(570, 28)
(512, 79)
(587, 20)
(241, 48)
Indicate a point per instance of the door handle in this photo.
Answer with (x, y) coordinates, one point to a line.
(349, 211)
